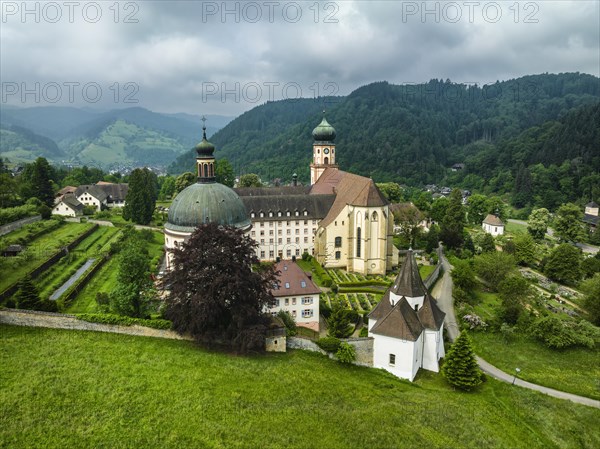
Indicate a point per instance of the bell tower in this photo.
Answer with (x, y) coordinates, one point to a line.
(205, 161)
(323, 149)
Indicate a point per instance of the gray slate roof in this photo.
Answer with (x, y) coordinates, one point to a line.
(430, 315)
(114, 192)
(408, 282)
(93, 190)
(284, 199)
(70, 200)
(401, 322)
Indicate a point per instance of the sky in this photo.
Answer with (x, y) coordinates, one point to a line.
(228, 57)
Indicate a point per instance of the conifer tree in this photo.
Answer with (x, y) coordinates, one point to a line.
(460, 367)
(27, 297)
(141, 196)
(453, 223)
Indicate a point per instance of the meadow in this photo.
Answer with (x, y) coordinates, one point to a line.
(62, 388)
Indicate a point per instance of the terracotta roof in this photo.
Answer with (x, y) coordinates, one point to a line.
(293, 281)
(430, 315)
(349, 189)
(93, 190)
(493, 220)
(65, 190)
(408, 282)
(400, 322)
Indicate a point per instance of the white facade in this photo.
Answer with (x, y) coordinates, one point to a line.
(399, 357)
(304, 309)
(65, 210)
(87, 199)
(494, 230)
(282, 236)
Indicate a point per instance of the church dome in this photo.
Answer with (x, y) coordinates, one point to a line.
(206, 203)
(204, 148)
(324, 132)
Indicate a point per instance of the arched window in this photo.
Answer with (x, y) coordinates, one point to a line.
(211, 170)
(374, 216)
(206, 170)
(338, 242)
(326, 160)
(358, 237)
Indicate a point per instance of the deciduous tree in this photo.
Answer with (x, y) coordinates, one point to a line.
(250, 180)
(591, 287)
(141, 196)
(224, 173)
(494, 267)
(217, 289)
(525, 249)
(184, 180)
(567, 224)
(564, 264)
(453, 223)
(408, 218)
(538, 221)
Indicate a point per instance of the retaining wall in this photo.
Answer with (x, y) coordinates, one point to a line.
(34, 318)
(9, 227)
(363, 347)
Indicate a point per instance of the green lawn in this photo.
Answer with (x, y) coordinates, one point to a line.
(64, 388)
(39, 250)
(574, 370)
(515, 227)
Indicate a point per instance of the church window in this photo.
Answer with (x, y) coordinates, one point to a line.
(342, 222)
(338, 242)
(374, 216)
(335, 223)
(326, 160)
(392, 359)
(416, 307)
(338, 255)
(358, 242)
(206, 170)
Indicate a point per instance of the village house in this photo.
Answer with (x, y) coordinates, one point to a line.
(493, 225)
(68, 206)
(296, 294)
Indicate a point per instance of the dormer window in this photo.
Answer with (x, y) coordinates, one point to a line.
(262, 214)
(287, 285)
(270, 214)
(297, 213)
(287, 213)
(252, 214)
(279, 214)
(303, 284)
(305, 213)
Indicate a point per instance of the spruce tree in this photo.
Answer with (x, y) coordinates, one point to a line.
(454, 220)
(27, 297)
(141, 196)
(460, 367)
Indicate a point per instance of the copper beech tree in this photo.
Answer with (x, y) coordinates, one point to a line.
(218, 291)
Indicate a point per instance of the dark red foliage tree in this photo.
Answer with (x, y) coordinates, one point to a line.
(218, 290)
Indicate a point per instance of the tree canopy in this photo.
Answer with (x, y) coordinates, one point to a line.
(218, 292)
(141, 196)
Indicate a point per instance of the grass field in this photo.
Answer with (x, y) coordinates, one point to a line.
(575, 370)
(83, 389)
(515, 227)
(39, 250)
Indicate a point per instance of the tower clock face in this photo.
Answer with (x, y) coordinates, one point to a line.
(326, 151)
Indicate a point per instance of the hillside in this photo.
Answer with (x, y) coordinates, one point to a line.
(23, 145)
(88, 389)
(411, 133)
(91, 137)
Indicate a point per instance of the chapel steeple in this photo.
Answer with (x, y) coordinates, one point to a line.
(205, 161)
(323, 149)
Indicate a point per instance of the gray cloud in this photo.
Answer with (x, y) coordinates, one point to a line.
(188, 57)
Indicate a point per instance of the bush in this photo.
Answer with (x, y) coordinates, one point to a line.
(107, 318)
(288, 321)
(10, 214)
(364, 332)
(329, 344)
(324, 308)
(557, 334)
(306, 257)
(346, 353)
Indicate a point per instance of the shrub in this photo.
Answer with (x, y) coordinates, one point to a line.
(324, 308)
(329, 344)
(306, 257)
(107, 318)
(364, 332)
(557, 334)
(288, 321)
(346, 353)
(475, 322)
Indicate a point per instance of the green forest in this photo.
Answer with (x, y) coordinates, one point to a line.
(533, 139)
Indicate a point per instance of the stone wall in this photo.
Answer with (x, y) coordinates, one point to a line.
(33, 318)
(363, 347)
(9, 227)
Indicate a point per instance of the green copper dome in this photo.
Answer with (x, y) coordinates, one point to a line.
(324, 132)
(205, 148)
(206, 203)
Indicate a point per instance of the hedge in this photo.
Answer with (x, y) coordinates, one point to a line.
(366, 282)
(329, 344)
(10, 214)
(360, 290)
(107, 318)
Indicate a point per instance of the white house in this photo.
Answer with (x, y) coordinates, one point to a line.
(68, 206)
(297, 294)
(493, 225)
(91, 195)
(407, 326)
(115, 193)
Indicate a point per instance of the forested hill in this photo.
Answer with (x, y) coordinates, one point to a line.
(413, 133)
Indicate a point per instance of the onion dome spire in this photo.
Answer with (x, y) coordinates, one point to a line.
(324, 132)
(204, 148)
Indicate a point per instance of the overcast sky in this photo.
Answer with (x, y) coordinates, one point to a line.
(225, 58)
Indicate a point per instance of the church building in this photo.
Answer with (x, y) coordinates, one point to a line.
(407, 326)
(342, 219)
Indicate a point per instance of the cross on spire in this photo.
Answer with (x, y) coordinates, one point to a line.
(203, 127)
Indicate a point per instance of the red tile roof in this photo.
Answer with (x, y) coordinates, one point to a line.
(293, 281)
